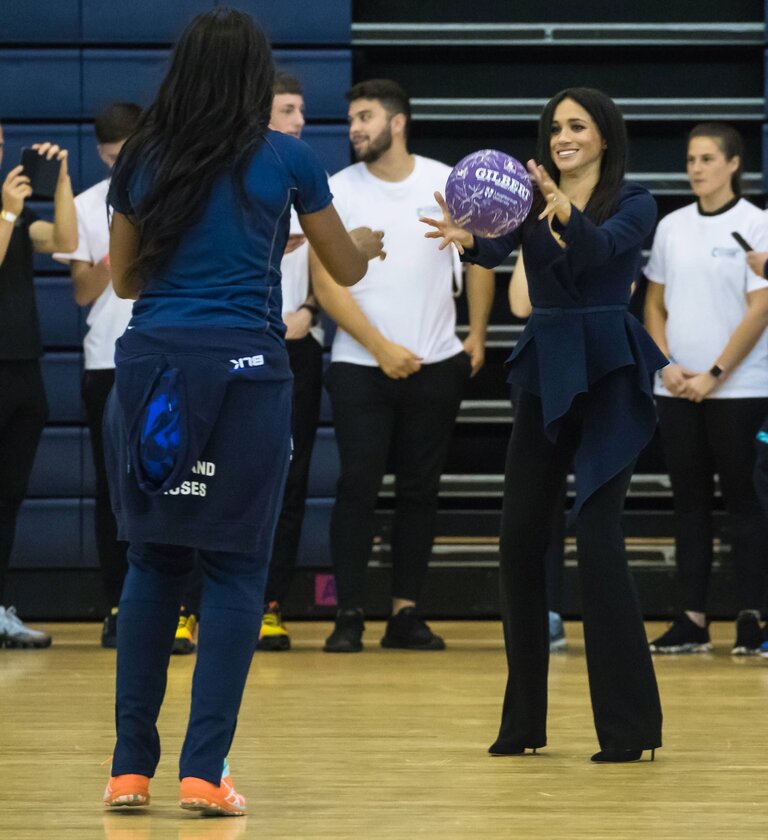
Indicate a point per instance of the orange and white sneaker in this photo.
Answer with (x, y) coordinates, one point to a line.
(129, 789)
(213, 800)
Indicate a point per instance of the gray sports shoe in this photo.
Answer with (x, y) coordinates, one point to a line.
(15, 634)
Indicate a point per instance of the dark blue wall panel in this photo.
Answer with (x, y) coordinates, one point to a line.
(48, 535)
(40, 84)
(331, 142)
(41, 21)
(62, 321)
(133, 75)
(326, 75)
(140, 21)
(298, 22)
(58, 467)
(149, 21)
(62, 373)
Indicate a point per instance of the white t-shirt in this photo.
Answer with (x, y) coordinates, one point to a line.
(295, 270)
(408, 297)
(706, 280)
(109, 315)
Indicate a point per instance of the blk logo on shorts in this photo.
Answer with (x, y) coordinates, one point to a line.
(247, 362)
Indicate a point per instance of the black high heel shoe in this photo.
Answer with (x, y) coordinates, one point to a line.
(620, 756)
(499, 749)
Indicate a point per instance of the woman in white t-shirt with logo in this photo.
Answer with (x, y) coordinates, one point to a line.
(708, 312)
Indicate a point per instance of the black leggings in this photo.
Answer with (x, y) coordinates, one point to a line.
(701, 439)
(23, 412)
(625, 699)
(306, 358)
(416, 415)
(112, 553)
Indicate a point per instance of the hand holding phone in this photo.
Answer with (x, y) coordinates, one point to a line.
(42, 165)
(743, 242)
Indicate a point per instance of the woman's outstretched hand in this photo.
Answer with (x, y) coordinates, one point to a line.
(447, 230)
(557, 202)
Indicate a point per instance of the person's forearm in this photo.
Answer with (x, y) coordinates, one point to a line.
(339, 304)
(6, 231)
(656, 326)
(743, 339)
(89, 281)
(64, 217)
(481, 286)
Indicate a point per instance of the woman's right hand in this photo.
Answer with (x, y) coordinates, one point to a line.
(16, 189)
(674, 378)
(447, 230)
(369, 242)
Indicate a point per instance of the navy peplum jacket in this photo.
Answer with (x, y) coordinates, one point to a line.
(580, 338)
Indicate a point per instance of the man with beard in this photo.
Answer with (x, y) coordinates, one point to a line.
(398, 369)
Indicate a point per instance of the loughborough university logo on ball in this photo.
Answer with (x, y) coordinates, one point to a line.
(489, 193)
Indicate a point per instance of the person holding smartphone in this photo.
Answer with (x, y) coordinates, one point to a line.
(708, 312)
(23, 407)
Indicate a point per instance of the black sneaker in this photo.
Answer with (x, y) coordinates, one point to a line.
(109, 630)
(407, 630)
(684, 636)
(347, 636)
(749, 636)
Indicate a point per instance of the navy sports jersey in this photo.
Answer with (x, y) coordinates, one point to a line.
(226, 269)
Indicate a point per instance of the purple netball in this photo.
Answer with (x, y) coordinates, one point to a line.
(489, 193)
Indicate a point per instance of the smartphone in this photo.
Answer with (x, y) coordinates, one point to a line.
(43, 174)
(743, 242)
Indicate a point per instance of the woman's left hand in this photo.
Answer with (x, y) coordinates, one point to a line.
(699, 386)
(558, 204)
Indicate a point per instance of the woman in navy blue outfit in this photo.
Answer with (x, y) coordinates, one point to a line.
(584, 367)
(198, 425)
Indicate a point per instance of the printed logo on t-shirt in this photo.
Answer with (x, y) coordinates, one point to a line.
(726, 252)
(247, 362)
(195, 488)
(432, 210)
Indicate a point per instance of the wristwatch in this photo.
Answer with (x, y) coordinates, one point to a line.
(7, 216)
(716, 371)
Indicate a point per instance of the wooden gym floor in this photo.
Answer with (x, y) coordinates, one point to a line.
(390, 745)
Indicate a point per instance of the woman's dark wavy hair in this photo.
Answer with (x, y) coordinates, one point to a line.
(209, 117)
(610, 124)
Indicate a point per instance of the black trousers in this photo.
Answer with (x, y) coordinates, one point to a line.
(625, 699)
(416, 417)
(23, 412)
(306, 358)
(96, 386)
(700, 439)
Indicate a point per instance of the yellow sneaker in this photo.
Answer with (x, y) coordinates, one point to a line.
(273, 635)
(186, 634)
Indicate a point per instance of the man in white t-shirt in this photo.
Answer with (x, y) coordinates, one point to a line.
(304, 341)
(107, 319)
(398, 370)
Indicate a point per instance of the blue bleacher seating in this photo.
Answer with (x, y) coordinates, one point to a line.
(62, 321)
(330, 142)
(132, 75)
(49, 535)
(41, 22)
(61, 374)
(40, 84)
(58, 468)
(326, 75)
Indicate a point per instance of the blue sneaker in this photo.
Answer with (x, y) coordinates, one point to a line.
(556, 633)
